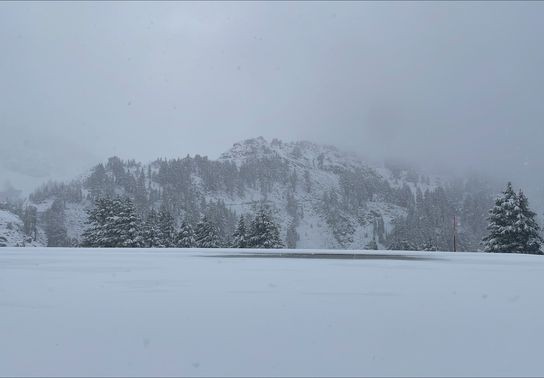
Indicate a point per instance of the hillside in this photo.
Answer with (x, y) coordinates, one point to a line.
(12, 232)
(326, 197)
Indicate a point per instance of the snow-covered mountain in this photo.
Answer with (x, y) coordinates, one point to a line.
(318, 170)
(329, 198)
(314, 169)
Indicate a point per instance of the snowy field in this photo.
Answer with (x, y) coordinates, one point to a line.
(206, 312)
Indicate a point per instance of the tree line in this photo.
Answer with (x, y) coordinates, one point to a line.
(182, 186)
(511, 226)
(187, 189)
(115, 223)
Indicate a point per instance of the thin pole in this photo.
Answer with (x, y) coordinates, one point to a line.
(454, 234)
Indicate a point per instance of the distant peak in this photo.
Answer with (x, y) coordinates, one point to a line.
(247, 148)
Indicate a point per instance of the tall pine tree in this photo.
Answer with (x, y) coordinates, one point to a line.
(502, 217)
(167, 229)
(529, 236)
(292, 236)
(239, 238)
(97, 219)
(125, 225)
(264, 231)
(113, 223)
(150, 230)
(206, 235)
(185, 238)
(512, 225)
(55, 228)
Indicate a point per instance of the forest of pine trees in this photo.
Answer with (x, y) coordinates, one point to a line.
(180, 203)
(428, 224)
(171, 184)
(115, 223)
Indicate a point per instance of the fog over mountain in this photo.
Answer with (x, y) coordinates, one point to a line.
(313, 196)
(271, 188)
(449, 86)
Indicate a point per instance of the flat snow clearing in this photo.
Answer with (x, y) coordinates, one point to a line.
(77, 312)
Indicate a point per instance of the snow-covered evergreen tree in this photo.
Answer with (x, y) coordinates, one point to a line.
(167, 229)
(125, 225)
(292, 236)
(206, 235)
(55, 228)
(264, 231)
(185, 238)
(113, 223)
(530, 239)
(239, 238)
(502, 235)
(140, 193)
(512, 225)
(150, 230)
(97, 219)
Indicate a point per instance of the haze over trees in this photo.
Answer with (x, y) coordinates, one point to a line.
(317, 196)
(55, 227)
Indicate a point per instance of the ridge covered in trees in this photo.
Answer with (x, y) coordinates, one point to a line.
(179, 201)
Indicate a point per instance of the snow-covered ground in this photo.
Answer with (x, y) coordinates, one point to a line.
(82, 312)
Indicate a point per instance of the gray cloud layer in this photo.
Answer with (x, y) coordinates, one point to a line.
(459, 84)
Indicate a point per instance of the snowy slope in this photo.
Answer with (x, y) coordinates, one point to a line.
(12, 232)
(322, 163)
(318, 167)
(200, 313)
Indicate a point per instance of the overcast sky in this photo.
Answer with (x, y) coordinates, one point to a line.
(459, 84)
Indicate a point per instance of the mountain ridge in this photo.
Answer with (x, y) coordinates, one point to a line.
(332, 199)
